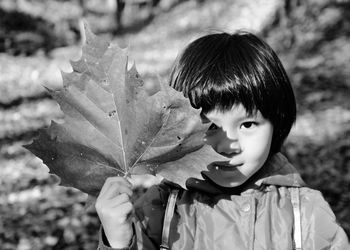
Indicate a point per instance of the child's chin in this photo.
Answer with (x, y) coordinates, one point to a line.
(228, 179)
(231, 184)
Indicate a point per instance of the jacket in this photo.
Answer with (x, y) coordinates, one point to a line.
(257, 215)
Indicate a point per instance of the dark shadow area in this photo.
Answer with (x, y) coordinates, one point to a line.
(140, 23)
(23, 34)
(136, 27)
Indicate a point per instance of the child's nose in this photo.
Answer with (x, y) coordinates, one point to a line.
(224, 146)
(231, 134)
(221, 143)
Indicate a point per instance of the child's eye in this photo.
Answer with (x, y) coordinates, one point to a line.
(213, 127)
(248, 125)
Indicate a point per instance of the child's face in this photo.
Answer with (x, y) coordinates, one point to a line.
(245, 139)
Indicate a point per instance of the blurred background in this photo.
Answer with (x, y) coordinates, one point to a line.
(39, 37)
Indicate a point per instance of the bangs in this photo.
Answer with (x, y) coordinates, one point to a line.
(228, 73)
(233, 78)
(224, 96)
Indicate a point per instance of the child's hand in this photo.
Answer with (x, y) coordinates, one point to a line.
(114, 208)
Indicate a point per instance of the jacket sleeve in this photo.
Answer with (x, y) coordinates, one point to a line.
(320, 229)
(104, 245)
(149, 212)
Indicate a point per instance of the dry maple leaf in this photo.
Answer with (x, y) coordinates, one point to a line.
(114, 127)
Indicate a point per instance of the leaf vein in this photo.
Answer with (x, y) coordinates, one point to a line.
(154, 138)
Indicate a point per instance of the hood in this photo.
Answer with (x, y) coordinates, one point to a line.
(276, 171)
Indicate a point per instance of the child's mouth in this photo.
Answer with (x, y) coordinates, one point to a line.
(224, 166)
(228, 155)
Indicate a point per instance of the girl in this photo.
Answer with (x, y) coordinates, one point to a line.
(258, 200)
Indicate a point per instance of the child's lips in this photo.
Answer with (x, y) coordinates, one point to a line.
(234, 160)
(228, 155)
(224, 166)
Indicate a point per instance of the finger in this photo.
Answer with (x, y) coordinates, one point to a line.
(106, 184)
(130, 215)
(126, 190)
(125, 209)
(119, 200)
(111, 181)
(116, 189)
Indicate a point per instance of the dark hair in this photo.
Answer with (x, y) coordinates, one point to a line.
(218, 71)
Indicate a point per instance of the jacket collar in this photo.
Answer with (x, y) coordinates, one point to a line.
(276, 171)
(280, 172)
